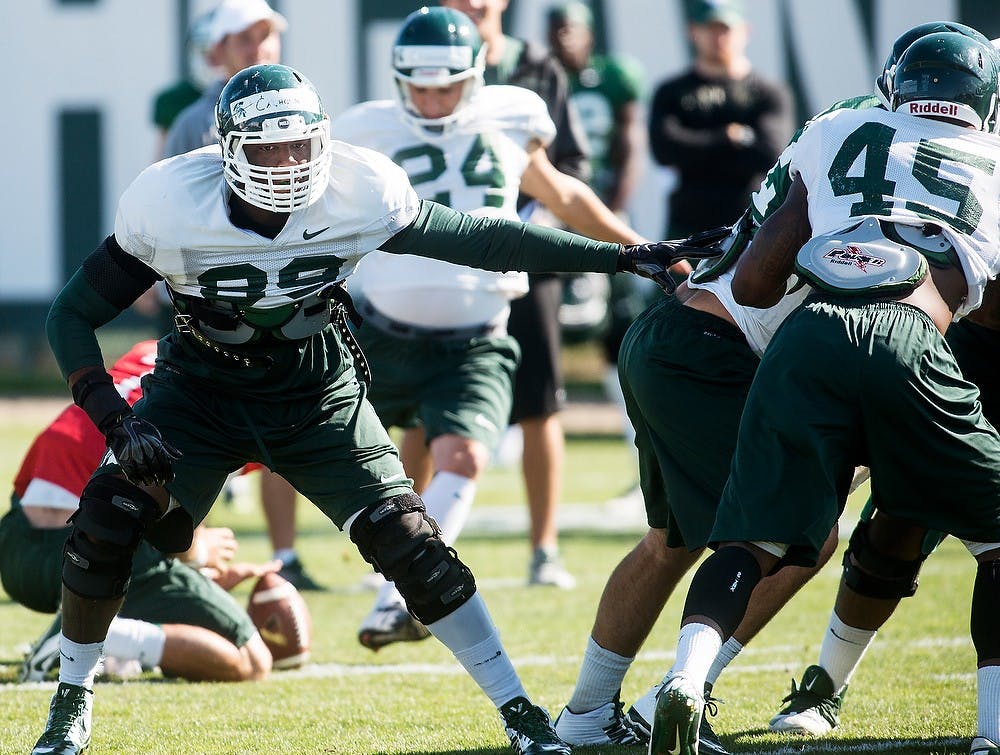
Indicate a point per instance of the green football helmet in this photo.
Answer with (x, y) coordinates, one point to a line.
(437, 47)
(268, 104)
(883, 84)
(948, 76)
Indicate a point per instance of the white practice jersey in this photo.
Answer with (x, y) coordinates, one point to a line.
(907, 169)
(175, 218)
(475, 166)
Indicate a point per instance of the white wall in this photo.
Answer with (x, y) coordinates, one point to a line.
(114, 54)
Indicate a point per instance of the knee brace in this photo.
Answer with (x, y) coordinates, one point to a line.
(722, 586)
(986, 611)
(398, 538)
(874, 574)
(107, 529)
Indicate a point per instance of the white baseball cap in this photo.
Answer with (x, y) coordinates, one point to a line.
(233, 16)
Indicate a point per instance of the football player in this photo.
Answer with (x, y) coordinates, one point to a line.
(862, 367)
(253, 238)
(200, 633)
(435, 333)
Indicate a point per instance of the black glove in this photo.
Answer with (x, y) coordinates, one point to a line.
(653, 260)
(137, 445)
(141, 451)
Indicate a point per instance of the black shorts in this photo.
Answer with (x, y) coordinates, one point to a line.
(534, 322)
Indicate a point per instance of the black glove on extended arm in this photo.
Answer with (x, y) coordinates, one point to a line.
(652, 260)
(137, 445)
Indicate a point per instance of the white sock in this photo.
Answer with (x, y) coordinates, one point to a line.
(448, 499)
(600, 679)
(729, 651)
(388, 595)
(78, 662)
(470, 634)
(285, 555)
(988, 691)
(697, 647)
(131, 639)
(842, 649)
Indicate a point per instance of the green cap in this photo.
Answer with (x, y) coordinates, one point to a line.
(571, 13)
(728, 12)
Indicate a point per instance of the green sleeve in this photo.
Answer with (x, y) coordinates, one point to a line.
(500, 245)
(76, 313)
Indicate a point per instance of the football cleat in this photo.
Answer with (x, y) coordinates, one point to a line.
(984, 746)
(547, 569)
(67, 732)
(606, 725)
(529, 729)
(641, 713)
(812, 708)
(43, 656)
(676, 718)
(294, 572)
(388, 624)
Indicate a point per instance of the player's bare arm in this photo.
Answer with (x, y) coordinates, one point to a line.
(764, 269)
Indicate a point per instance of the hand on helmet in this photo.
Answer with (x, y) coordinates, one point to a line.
(141, 452)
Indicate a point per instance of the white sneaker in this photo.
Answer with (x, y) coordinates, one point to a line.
(547, 569)
(606, 725)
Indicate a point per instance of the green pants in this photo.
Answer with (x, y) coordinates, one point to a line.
(849, 382)
(685, 375)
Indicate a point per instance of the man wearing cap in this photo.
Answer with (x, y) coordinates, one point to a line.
(242, 33)
(719, 124)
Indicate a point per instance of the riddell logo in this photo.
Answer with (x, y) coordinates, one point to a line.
(933, 108)
(853, 256)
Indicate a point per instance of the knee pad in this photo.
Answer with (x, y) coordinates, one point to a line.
(986, 611)
(722, 586)
(874, 574)
(398, 538)
(107, 529)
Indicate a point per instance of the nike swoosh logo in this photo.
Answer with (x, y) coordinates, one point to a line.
(69, 658)
(306, 235)
(391, 477)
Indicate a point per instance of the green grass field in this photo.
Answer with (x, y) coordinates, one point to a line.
(915, 691)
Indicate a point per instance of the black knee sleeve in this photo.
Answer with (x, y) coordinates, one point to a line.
(399, 539)
(986, 611)
(107, 529)
(874, 574)
(721, 588)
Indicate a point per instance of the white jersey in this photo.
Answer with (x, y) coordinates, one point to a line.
(475, 166)
(907, 169)
(175, 218)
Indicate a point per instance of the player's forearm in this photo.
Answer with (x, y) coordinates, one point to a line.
(500, 245)
(581, 209)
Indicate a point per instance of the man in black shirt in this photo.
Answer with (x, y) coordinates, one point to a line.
(720, 125)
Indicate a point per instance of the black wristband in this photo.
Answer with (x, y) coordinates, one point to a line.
(623, 263)
(96, 394)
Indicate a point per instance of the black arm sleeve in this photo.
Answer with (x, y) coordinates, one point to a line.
(500, 245)
(107, 283)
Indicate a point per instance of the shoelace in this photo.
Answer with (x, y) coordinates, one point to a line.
(808, 699)
(65, 710)
(533, 722)
(621, 731)
(712, 705)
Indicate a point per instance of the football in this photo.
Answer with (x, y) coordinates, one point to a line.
(282, 618)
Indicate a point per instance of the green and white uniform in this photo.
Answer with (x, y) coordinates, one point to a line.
(277, 384)
(686, 447)
(435, 333)
(863, 380)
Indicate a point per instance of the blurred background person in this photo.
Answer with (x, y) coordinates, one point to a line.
(607, 92)
(719, 124)
(534, 319)
(200, 74)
